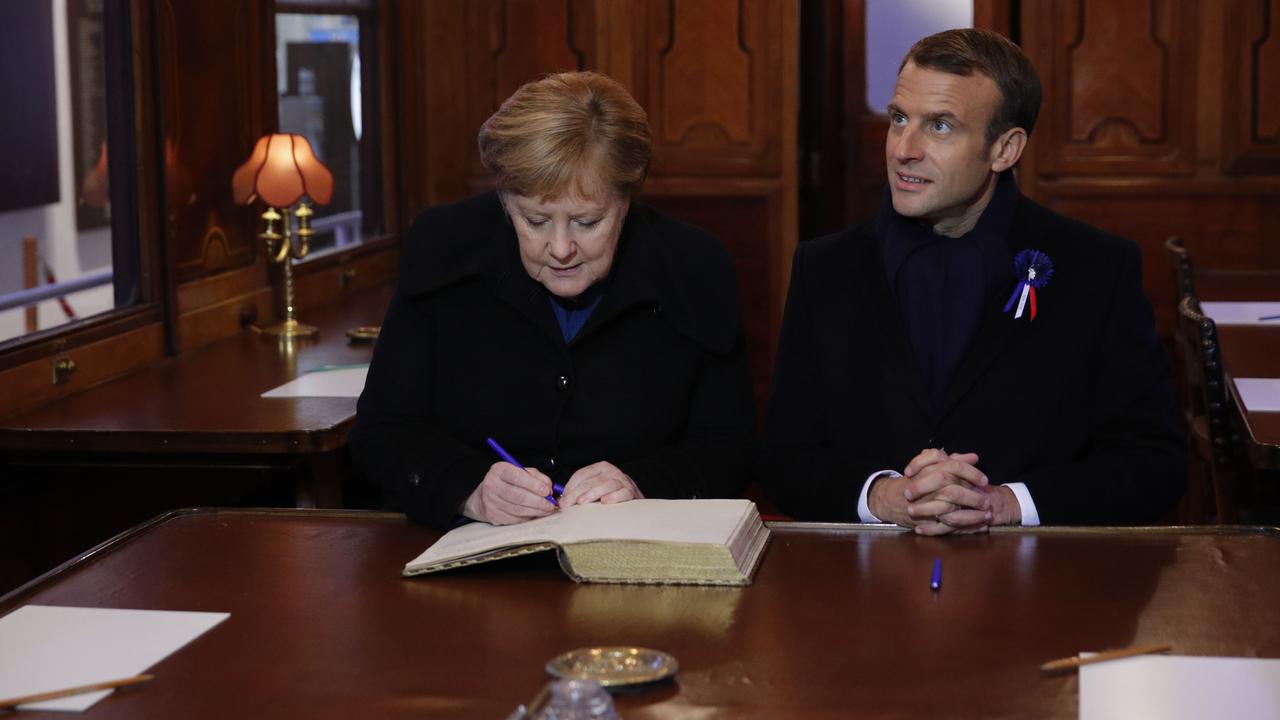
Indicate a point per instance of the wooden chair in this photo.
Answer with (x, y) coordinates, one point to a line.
(1184, 356)
(1184, 282)
(1183, 286)
(1215, 439)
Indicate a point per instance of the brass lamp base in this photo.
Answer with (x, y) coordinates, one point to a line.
(290, 329)
(281, 249)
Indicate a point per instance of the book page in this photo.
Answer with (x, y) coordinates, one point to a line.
(46, 647)
(1259, 394)
(677, 521)
(478, 537)
(1243, 313)
(1176, 687)
(340, 382)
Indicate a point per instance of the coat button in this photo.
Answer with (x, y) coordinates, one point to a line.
(657, 311)
(549, 463)
(414, 480)
(562, 383)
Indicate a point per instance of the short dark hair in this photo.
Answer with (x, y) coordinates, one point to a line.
(965, 51)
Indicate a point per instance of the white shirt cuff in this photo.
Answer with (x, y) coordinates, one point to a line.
(864, 510)
(1025, 503)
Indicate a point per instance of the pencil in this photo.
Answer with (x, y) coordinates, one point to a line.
(77, 690)
(1075, 662)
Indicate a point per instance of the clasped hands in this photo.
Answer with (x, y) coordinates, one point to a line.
(940, 494)
(508, 494)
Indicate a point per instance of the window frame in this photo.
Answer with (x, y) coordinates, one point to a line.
(373, 19)
(136, 194)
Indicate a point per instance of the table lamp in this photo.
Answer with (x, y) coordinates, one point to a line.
(282, 170)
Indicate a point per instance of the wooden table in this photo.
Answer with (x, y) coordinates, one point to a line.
(205, 405)
(1254, 351)
(839, 621)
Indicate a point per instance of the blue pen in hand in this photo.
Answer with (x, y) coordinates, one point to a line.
(556, 488)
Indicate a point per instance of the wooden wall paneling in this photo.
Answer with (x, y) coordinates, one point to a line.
(217, 84)
(821, 119)
(714, 86)
(526, 39)
(210, 308)
(863, 139)
(1251, 82)
(432, 93)
(744, 217)
(461, 61)
(619, 32)
(995, 15)
(1215, 186)
(1232, 237)
(389, 70)
(31, 384)
(213, 308)
(720, 83)
(536, 37)
(1120, 86)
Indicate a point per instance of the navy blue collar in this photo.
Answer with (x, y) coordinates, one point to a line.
(572, 313)
(900, 236)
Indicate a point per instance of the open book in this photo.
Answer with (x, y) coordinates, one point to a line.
(695, 542)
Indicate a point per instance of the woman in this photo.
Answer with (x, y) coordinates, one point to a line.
(596, 339)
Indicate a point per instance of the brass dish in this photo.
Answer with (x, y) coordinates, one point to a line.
(364, 333)
(614, 666)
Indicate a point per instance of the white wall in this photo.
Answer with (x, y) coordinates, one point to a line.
(69, 253)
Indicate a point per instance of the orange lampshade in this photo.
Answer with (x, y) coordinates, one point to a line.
(280, 170)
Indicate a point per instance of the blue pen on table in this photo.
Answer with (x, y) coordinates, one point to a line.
(556, 488)
(935, 580)
(1265, 318)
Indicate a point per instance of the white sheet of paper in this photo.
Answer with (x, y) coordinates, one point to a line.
(50, 647)
(1242, 313)
(345, 382)
(1175, 687)
(1259, 394)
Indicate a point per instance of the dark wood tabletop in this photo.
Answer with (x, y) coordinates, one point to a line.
(839, 622)
(1254, 351)
(208, 400)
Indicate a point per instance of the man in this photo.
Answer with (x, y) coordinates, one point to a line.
(969, 358)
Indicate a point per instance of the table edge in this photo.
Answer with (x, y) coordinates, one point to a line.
(851, 528)
(126, 536)
(830, 528)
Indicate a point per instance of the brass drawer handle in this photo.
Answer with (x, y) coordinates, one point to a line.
(62, 369)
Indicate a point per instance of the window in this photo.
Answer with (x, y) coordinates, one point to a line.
(327, 89)
(68, 247)
(893, 26)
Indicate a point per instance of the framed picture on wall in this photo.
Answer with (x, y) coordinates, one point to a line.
(88, 113)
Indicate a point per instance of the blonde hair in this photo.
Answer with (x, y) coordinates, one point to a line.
(567, 133)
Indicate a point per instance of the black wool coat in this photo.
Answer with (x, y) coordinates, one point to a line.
(1077, 404)
(655, 382)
